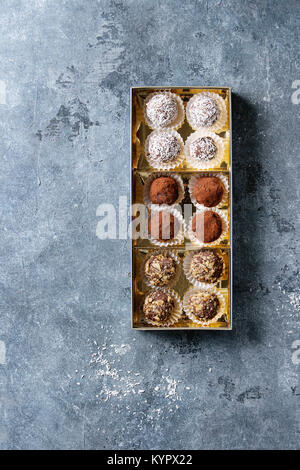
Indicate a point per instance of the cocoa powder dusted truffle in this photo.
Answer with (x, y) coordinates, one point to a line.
(161, 110)
(208, 190)
(163, 190)
(207, 226)
(206, 266)
(204, 305)
(160, 269)
(203, 148)
(163, 226)
(203, 110)
(163, 147)
(158, 306)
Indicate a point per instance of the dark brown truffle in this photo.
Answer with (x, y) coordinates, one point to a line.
(163, 226)
(204, 305)
(160, 269)
(158, 306)
(163, 190)
(206, 266)
(208, 190)
(207, 226)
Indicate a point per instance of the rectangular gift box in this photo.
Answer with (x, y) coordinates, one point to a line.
(140, 171)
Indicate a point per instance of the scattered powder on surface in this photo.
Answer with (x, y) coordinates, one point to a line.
(292, 297)
(116, 383)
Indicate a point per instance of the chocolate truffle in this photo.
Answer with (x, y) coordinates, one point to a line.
(161, 110)
(163, 226)
(203, 110)
(158, 306)
(206, 266)
(163, 190)
(160, 269)
(163, 147)
(208, 190)
(207, 226)
(204, 305)
(203, 148)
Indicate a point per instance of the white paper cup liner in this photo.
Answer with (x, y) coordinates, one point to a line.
(180, 117)
(187, 271)
(180, 235)
(202, 164)
(223, 235)
(220, 123)
(221, 177)
(194, 290)
(149, 181)
(165, 165)
(173, 255)
(177, 312)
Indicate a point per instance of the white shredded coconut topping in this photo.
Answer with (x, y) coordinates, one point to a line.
(204, 110)
(163, 147)
(161, 110)
(203, 148)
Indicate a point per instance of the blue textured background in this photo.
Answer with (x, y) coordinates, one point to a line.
(72, 373)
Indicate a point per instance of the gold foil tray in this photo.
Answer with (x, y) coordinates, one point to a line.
(141, 248)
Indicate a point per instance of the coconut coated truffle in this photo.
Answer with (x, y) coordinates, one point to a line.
(203, 148)
(158, 306)
(161, 110)
(203, 110)
(163, 190)
(163, 147)
(207, 226)
(208, 190)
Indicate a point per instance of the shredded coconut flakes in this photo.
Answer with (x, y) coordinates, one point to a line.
(161, 110)
(164, 147)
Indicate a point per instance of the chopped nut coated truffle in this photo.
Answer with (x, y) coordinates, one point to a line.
(204, 305)
(206, 266)
(160, 269)
(158, 306)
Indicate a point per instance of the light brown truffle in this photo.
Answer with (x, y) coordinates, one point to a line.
(163, 190)
(207, 226)
(163, 226)
(208, 190)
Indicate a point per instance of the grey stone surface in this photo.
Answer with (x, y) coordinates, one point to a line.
(72, 373)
